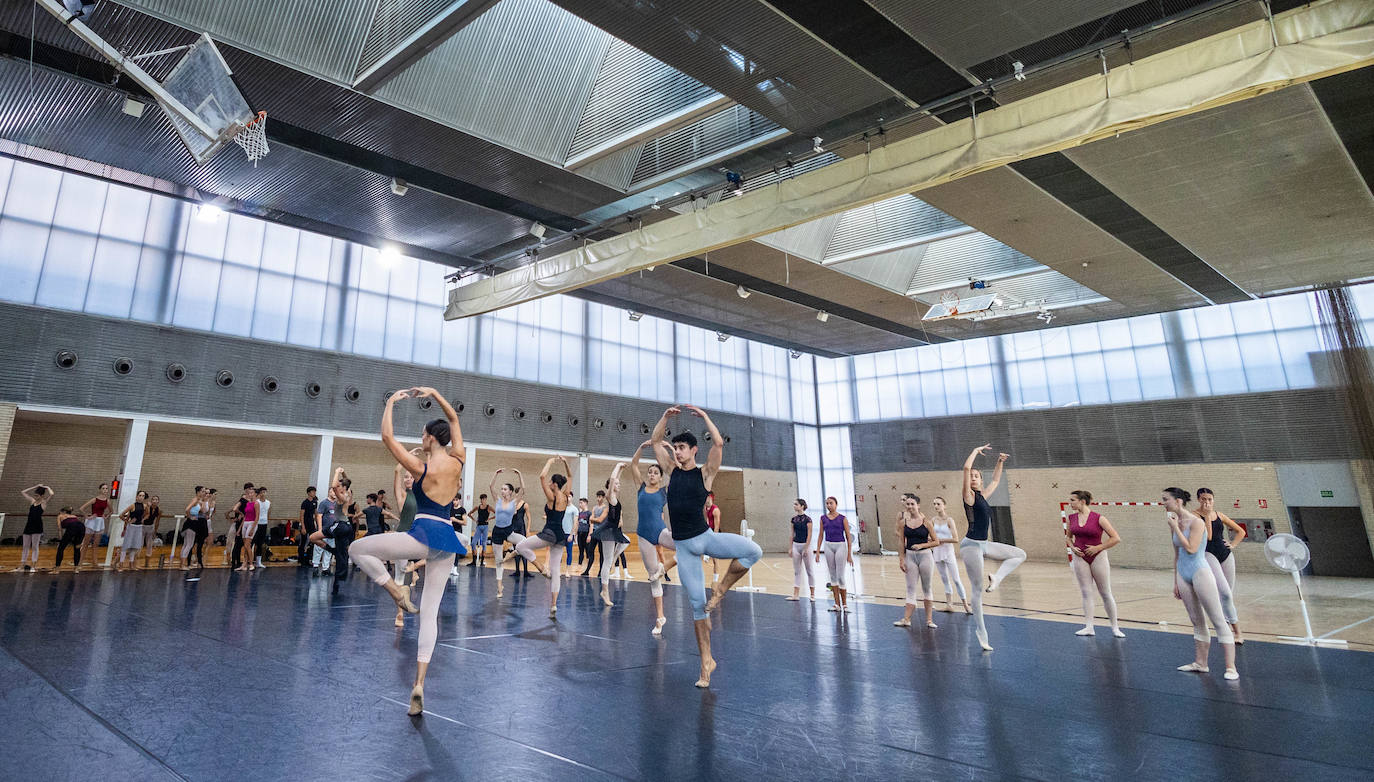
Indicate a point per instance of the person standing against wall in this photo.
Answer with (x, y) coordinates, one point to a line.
(307, 525)
(38, 496)
(96, 510)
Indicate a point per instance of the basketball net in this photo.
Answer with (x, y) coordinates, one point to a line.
(951, 301)
(253, 138)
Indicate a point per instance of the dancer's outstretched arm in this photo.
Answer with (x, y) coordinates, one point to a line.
(663, 452)
(717, 453)
(403, 456)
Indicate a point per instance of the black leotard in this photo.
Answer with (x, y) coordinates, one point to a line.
(687, 503)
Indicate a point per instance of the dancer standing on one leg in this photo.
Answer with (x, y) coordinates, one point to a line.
(402, 482)
(38, 496)
(918, 560)
(502, 529)
(650, 501)
(609, 536)
(801, 551)
(552, 535)
(946, 530)
(438, 479)
(1219, 557)
(688, 486)
(96, 510)
(1090, 566)
(978, 543)
(835, 544)
(1195, 585)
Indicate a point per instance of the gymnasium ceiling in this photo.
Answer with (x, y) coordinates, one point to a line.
(505, 113)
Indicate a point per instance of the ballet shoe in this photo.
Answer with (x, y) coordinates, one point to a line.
(931, 625)
(417, 701)
(658, 574)
(403, 600)
(606, 597)
(793, 599)
(553, 612)
(968, 610)
(983, 642)
(1087, 632)
(902, 623)
(658, 626)
(1231, 675)
(1193, 668)
(707, 668)
(834, 609)
(539, 566)
(1116, 633)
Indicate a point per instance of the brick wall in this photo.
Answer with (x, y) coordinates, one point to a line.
(74, 459)
(1035, 494)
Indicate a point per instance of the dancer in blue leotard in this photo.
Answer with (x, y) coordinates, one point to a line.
(1194, 583)
(650, 502)
(438, 479)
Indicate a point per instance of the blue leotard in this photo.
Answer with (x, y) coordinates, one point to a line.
(650, 506)
(432, 525)
(1188, 564)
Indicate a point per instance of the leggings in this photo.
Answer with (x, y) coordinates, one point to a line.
(188, 539)
(610, 551)
(835, 561)
(498, 552)
(527, 548)
(1224, 573)
(371, 554)
(70, 537)
(949, 574)
(1098, 572)
(1203, 602)
(648, 554)
(321, 558)
(717, 545)
(920, 571)
(30, 547)
(972, 553)
(479, 541)
(801, 566)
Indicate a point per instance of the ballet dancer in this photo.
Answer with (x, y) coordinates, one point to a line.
(479, 540)
(552, 535)
(1219, 557)
(132, 535)
(801, 541)
(150, 528)
(835, 543)
(977, 543)
(438, 479)
(38, 496)
(688, 485)
(197, 529)
(96, 510)
(502, 526)
(650, 501)
(596, 517)
(247, 528)
(73, 532)
(946, 531)
(403, 483)
(917, 562)
(609, 536)
(1090, 566)
(1195, 585)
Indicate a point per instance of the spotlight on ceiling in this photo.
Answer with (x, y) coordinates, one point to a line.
(655, 205)
(399, 186)
(635, 316)
(209, 213)
(387, 256)
(822, 316)
(743, 292)
(816, 145)
(134, 108)
(721, 336)
(79, 9)
(796, 354)
(537, 231)
(1018, 69)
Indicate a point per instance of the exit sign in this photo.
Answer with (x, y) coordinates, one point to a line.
(1328, 493)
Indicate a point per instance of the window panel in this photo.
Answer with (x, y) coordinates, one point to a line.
(126, 213)
(113, 273)
(205, 237)
(238, 288)
(66, 270)
(400, 329)
(279, 244)
(22, 246)
(272, 309)
(1123, 381)
(243, 241)
(197, 292)
(32, 193)
(307, 313)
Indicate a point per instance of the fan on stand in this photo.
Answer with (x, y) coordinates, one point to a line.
(1289, 552)
(748, 533)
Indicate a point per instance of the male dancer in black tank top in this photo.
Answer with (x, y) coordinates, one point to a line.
(688, 486)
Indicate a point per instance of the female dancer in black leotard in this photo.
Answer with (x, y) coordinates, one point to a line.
(552, 537)
(978, 543)
(1219, 557)
(609, 535)
(38, 496)
(917, 559)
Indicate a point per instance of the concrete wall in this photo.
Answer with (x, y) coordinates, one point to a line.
(768, 498)
(1034, 496)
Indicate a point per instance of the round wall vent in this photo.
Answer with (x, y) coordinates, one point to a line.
(313, 390)
(597, 423)
(123, 365)
(518, 414)
(176, 372)
(489, 411)
(621, 426)
(224, 378)
(546, 417)
(352, 394)
(270, 385)
(573, 421)
(65, 359)
(644, 428)
(426, 403)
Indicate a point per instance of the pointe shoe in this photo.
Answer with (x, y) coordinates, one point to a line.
(1193, 668)
(949, 607)
(1087, 632)
(834, 609)
(902, 623)
(983, 642)
(992, 585)
(553, 612)
(606, 597)
(967, 610)
(402, 598)
(1231, 675)
(539, 566)
(1116, 633)
(707, 668)
(658, 627)
(417, 701)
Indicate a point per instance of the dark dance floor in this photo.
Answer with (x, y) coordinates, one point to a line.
(146, 677)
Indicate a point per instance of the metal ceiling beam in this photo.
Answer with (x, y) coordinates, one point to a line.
(900, 244)
(444, 25)
(1348, 100)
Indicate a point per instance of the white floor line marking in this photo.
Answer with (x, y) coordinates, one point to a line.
(1347, 627)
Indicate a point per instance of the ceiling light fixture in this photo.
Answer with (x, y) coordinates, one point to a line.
(796, 353)
(816, 145)
(822, 316)
(133, 108)
(655, 205)
(209, 213)
(743, 292)
(399, 186)
(387, 256)
(635, 316)
(1018, 69)
(721, 336)
(537, 231)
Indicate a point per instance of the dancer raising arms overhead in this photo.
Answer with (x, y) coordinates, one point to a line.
(552, 536)
(608, 535)
(978, 542)
(688, 485)
(650, 500)
(507, 501)
(438, 479)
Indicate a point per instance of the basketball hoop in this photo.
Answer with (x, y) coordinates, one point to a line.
(253, 138)
(951, 301)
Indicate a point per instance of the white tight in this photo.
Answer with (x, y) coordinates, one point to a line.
(649, 556)
(1224, 573)
(1204, 602)
(920, 570)
(610, 554)
(320, 558)
(1099, 573)
(949, 574)
(972, 553)
(835, 560)
(374, 551)
(498, 551)
(188, 540)
(528, 546)
(30, 548)
(801, 565)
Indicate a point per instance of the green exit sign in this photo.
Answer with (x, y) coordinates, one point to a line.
(1328, 493)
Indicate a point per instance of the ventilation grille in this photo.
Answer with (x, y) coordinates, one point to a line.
(887, 222)
(725, 129)
(394, 21)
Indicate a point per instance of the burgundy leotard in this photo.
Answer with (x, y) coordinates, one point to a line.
(1089, 534)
